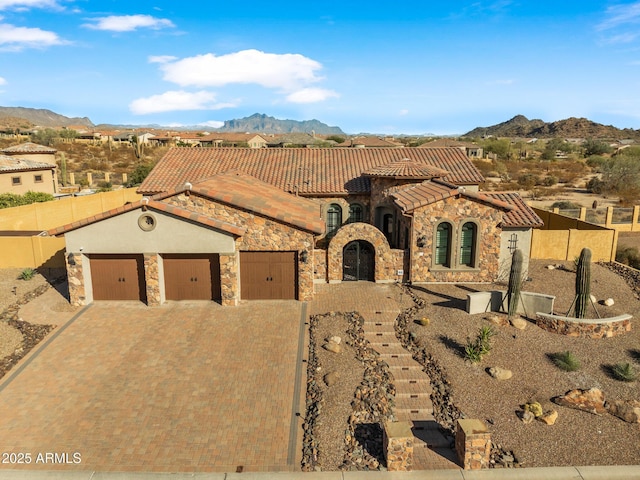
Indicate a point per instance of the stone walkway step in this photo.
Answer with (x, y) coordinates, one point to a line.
(382, 317)
(386, 328)
(403, 363)
(410, 376)
(392, 350)
(405, 389)
(380, 338)
(434, 459)
(428, 434)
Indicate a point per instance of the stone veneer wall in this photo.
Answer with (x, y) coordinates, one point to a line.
(323, 205)
(457, 211)
(473, 444)
(77, 295)
(263, 234)
(229, 279)
(152, 278)
(320, 265)
(591, 328)
(387, 261)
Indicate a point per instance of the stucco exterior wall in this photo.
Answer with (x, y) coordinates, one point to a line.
(28, 182)
(121, 234)
(523, 236)
(457, 211)
(263, 234)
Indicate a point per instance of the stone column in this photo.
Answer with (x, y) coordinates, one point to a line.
(473, 444)
(90, 178)
(152, 278)
(75, 276)
(229, 278)
(398, 446)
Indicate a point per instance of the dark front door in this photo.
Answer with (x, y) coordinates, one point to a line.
(358, 261)
(118, 277)
(192, 277)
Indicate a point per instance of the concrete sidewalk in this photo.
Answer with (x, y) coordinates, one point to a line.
(549, 473)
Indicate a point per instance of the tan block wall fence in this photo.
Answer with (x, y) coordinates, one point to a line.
(48, 252)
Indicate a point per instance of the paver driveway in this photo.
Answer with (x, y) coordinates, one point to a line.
(182, 387)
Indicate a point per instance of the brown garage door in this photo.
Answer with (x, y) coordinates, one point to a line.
(192, 277)
(118, 277)
(268, 275)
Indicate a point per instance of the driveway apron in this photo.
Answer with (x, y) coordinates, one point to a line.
(185, 387)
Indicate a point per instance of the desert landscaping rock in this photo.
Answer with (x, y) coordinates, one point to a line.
(331, 378)
(527, 417)
(627, 410)
(332, 347)
(609, 302)
(500, 373)
(591, 400)
(549, 418)
(519, 323)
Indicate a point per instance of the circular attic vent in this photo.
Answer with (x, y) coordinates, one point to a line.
(147, 222)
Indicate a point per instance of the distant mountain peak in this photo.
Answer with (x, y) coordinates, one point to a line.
(44, 118)
(262, 123)
(521, 126)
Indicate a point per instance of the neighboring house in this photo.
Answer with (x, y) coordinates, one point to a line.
(370, 142)
(232, 224)
(19, 176)
(233, 139)
(32, 151)
(471, 149)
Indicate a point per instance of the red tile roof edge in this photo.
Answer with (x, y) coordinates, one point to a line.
(154, 205)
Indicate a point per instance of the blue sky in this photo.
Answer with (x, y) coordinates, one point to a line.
(412, 67)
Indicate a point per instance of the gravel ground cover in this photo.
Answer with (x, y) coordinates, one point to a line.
(577, 438)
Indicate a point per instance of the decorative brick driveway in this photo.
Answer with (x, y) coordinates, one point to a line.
(190, 387)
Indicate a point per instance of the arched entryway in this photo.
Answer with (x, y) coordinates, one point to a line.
(358, 261)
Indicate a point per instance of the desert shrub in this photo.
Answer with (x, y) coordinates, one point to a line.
(105, 187)
(624, 372)
(596, 162)
(566, 361)
(565, 205)
(528, 180)
(629, 256)
(477, 348)
(27, 274)
(8, 200)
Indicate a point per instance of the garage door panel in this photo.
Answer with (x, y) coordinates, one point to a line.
(118, 277)
(192, 277)
(268, 275)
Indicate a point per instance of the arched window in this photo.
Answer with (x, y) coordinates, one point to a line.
(334, 219)
(356, 213)
(468, 236)
(442, 254)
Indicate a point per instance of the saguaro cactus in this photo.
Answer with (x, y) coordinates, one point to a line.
(583, 283)
(515, 281)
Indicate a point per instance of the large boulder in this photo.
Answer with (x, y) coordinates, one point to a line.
(627, 410)
(591, 400)
(500, 373)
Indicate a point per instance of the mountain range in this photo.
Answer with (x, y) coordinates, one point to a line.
(521, 126)
(518, 126)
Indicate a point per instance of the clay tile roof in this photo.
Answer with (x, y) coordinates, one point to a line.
(244, 191)
(151, 204)
(307, 171)
(28, 147)
(406, 168)
(431, 191)
(10, 164)
(522, 215)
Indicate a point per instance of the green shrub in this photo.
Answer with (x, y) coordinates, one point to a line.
(566, 361)
(480, 346)
(624, 372)
(27, 274)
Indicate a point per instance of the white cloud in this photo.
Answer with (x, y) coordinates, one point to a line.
(18, 38)
(618, 15)
(161, 58)
(212, 123)
(26, 4)
(311, 95)
(177, 100)
(288, 72)
(403, 112)
(2, 81)
(128, 23)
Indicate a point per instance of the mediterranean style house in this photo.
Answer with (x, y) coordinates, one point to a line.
(229, 224)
